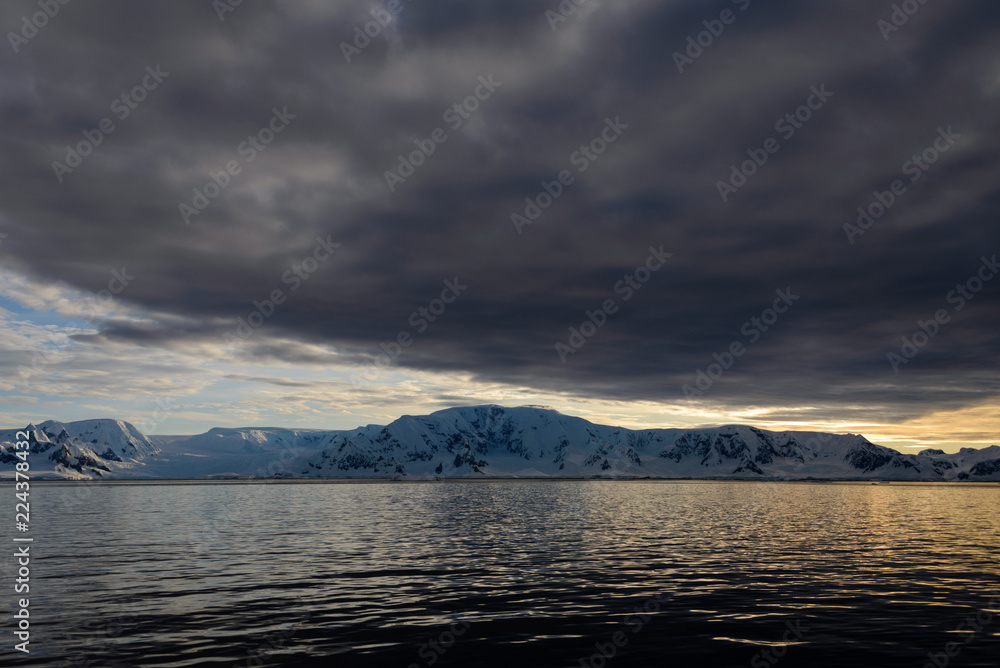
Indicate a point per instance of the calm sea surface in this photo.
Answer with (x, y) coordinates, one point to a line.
(508, 573)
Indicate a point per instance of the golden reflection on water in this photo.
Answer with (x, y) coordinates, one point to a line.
(375, 569)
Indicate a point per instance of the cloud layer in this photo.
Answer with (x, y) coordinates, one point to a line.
(515, 103)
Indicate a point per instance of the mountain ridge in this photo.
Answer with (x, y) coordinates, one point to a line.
(486, 441)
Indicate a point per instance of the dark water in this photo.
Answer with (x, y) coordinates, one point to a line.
(517, 574)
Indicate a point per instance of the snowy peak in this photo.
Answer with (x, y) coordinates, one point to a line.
(86, 448)
(116, 436)
(966, 464)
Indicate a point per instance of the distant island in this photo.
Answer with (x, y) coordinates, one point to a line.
(479, 442)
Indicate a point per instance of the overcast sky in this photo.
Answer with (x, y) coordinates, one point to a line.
(171, 168)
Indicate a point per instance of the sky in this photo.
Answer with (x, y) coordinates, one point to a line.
(648, 214)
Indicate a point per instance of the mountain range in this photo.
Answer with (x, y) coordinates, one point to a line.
(479, 442)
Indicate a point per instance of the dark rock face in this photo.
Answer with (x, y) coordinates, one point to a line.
(467, 458)
(987, 468)
(699, 445)
(64, 457)
(38, 447)
(869, 457)
(748, 467)
(419, 456)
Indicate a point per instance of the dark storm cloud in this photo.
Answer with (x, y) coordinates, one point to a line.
(323, 177)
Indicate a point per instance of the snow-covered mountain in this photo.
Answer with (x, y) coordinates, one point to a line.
(487, 441)
(84, 449)
(493, 441)
(228, 453)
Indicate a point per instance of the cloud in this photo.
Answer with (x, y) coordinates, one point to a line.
(324, 175)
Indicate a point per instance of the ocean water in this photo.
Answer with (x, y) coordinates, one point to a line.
(508, 573)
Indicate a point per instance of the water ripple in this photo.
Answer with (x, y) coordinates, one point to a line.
(512, 573)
